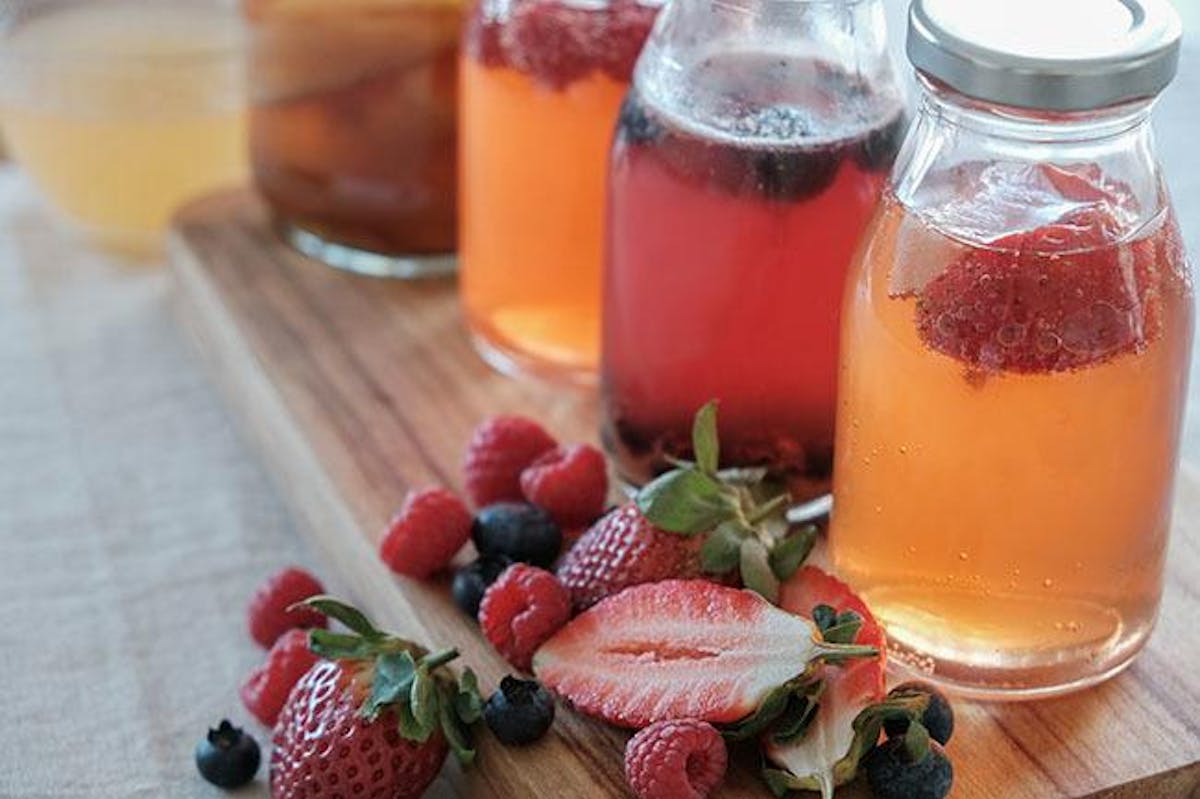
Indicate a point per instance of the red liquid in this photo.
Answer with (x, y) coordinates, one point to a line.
(726, 268)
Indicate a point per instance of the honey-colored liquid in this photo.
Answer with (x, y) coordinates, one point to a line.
(122, 111)
(1008, 528)
(534, 164)
(353, 120)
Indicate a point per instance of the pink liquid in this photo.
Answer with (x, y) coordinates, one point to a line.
(726, 267)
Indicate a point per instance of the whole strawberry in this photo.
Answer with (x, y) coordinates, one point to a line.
(376, 718)
(498, 452)
(624, 549)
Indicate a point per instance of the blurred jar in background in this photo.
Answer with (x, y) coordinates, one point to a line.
(353, 129)
(122, 109)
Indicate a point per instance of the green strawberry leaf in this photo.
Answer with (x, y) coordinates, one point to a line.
(824, 616)
(393, 681)
(456, 732)
(410, 728)
(844, 628)
(795, 721)
(705, 442)
(781, 782)
(686, 501)
(348, 615)
(788, 554)
(722, 550)
(423, 699)
(468, 704)
(756, 570)
(341, 646)
(775, 703)
(916, 741)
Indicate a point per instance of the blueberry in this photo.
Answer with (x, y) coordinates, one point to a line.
(893, 774)
(878, 148)
(520, 712)
(227, 757)
(517, 531)
(472, 580)
(793, 174)
(938, 716)
(635, 125)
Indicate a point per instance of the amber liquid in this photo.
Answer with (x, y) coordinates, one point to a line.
(1008, 525)
(537, 121)
(533, 202)
(353, 121)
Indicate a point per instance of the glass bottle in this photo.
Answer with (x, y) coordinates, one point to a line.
(1016, 341)
(353, 120)
(748, 159)
(541, 84)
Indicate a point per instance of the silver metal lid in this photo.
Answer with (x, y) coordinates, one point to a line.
(1056, 55)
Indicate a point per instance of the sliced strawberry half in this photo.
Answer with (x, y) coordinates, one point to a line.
(826, 754)
(679, 649)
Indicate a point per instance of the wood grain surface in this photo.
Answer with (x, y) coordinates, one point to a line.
(357, 389)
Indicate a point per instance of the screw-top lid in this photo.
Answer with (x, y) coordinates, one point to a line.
(1056, 55)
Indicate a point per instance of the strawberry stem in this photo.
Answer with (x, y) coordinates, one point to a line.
(767, 509)
(834, 653)
(432, 661)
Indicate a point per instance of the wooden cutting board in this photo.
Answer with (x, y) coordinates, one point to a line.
(357, 389)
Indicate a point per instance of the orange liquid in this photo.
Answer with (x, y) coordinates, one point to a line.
(1007, 528)
(534, 164)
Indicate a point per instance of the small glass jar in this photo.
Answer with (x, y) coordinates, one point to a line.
(353, 120)
(1015, 349)
(542, 81)
(748, 160)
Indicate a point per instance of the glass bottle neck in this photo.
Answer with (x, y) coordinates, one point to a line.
(949, 109)
(984, 170)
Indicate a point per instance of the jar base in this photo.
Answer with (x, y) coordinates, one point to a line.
(365, 262)
(516, 363)
(1014, 677)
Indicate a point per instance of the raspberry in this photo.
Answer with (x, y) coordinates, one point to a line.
(425, 534)
(521, 610)
(680, 759)
(551, 41)
(1048, 300)
(625, 32)
(481, 39)
(268, 616)
(569, 483)
(500, 449)
(268, 686)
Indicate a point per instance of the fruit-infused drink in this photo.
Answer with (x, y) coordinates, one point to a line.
(1015, 349)
(736, 205)
(353, 129)
(122, 109)
(542, 82)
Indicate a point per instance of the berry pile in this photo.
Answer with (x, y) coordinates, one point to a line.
(642, 623)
